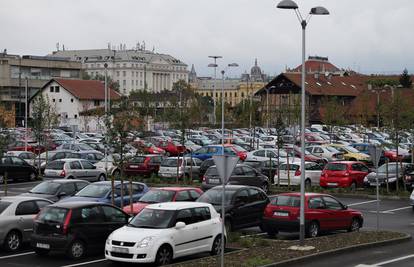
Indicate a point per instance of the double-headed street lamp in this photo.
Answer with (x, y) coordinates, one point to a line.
(289, 4)
(214, 65)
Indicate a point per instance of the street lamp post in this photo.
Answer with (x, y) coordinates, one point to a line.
(378, 103)
(106, 118)
(214, 65)
(289, 4)
(267, 106)
(223, 213)
(25, 113)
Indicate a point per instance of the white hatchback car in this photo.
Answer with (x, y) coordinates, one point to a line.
(162, 232)
(312, 174)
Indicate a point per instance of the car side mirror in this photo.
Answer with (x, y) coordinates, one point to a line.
(239, 203)
(345, 207)
(179, 225)
(130, 219)
(62, 194)
(94, 167)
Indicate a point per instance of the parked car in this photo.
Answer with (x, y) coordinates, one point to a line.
(207, 152)
(296, 151)
(291, 174)
(74, 169)
(265, 167)
(166, 231)
(327, 152)
(143, 165)
(31, 146)
(244, 205)
(92, 156)
(27, 156)
(242, 175)
(322, 213)
(110, 165)
(74, 147)
(390, 169)
(204, 166)
(49, 156)
(186, 166)
(75, 228)
(267, 154)
(16, 169)
(57, 189)
(16, 219)
(171, 148)
(352, 154)
(364, 148)
(102, 192)
(164, 194)
(344, 174)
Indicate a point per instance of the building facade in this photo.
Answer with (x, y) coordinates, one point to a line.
(15, 70)
(70, 98)
(133, 69)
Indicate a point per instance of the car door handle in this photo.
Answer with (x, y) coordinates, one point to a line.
(21, 219)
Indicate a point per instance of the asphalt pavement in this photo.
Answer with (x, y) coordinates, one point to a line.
(395, 215)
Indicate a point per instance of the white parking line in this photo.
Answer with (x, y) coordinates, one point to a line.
(394, 260)
(361, 203)
(259, 234)
(84, 263)
(392, 211)
(16, 255)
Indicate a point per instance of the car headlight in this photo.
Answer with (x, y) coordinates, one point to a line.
(412, 194)
(108, 240)
(144, 242)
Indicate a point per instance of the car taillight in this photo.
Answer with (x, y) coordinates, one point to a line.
(66, 223)
(268, 212)
(37, 216)
(204, 178)
(297, 173)
(63, 173)
(346, 174)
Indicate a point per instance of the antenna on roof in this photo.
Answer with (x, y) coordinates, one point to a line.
(153, 49)
(57, 46)
(143, 45)
(63, 48)
(109, 46)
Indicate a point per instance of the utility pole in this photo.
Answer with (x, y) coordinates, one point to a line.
(215, 86)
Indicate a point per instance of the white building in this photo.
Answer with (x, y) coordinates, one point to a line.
(69, 98)
(137, 69)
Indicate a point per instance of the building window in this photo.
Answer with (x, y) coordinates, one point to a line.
(140, 74)
(57, 89)
(118, 65)
(225, 94)
(96, 103)
(60, 100)
(235, 94)
(124, 73)
(140, 83)
(52, 89)
(66, 116)
(124, 83)
(71, 100)
(242, 94)
(216, 94)
(124, 65)
(132, 82)
(76, 116)
(53, 100)
(117, 73)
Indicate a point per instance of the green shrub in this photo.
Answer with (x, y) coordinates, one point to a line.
(257, 261)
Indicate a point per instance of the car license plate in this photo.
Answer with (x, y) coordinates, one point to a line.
(332, 184)
(373, 184)
(41, 245)
(120, 250)
(133, 166)
(214, 181)
(280, 214)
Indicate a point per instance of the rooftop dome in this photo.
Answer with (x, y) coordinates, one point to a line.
(255, 70)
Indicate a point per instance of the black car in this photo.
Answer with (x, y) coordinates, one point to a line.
(204, 166)
(16, 169)
(242, 174)
(244, 205)
(57, 189)
(75, 228)
(265, 167)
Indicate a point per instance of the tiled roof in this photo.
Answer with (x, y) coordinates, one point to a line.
(317, 65)
(87, 89)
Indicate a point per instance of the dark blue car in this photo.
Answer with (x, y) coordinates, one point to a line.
(207, 152)
(102, 192)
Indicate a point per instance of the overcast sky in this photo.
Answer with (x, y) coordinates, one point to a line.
(370, 36)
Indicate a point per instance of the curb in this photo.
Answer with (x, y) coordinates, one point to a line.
(338, 251)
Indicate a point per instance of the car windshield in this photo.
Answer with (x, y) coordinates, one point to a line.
(288, 201)
(55, 165)
(336, 167)
(351, 149)
(47, 188)
(52, 214)
(85, 147)
(392, 168)
(331, 149)
(94, 191)
(152, 218)
(213, 196)
(292, 167)
(137, 160)
(157, 196)
(3, 206)
(170, 162)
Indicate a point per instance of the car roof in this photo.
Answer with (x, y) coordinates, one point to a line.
(297, 194)
(177, 188)
(232, 187)
(77, 204)
(65, 181)
(21, 198)
(178, 205)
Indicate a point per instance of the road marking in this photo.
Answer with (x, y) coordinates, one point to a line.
(361, 203)
(392, 211)
(259, 234)
(395, 260)
(16, 255)
(84, 263)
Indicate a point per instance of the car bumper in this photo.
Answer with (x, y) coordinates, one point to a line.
(169, 175)
(60, 244)
(133, 254)
(335, 182)
(281, 225)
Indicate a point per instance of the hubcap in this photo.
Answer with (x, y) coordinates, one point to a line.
(77, 250)
(101, 178)
(1, 179)
(164, 256)
(314, 230)
(13, 242)
(217, 246)
(32, 176)
(355, 225)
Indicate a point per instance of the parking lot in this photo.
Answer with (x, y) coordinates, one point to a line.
(395, 215)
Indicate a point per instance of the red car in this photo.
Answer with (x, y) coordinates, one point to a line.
(314, 139)
(144, 165)
(32, 147)
(240, 152)
(164, 194)
(148, 147)
(322, 213)
(344, 174)
(308, 156)
(172, 148)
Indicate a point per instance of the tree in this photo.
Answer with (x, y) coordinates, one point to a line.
(99, 77)
(334, 113)
(405, 79)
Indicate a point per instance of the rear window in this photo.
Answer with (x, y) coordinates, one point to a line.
(170, 163)
(137, 160)
(55, 165)
(212, 171)
(3, 206)
(336, 167)
(288, 201)
(292, 167)
(52, 214)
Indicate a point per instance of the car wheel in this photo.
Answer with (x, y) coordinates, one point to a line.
(216, 248)
(354, 225)
(413, 208)
(41, 252)
(228, 225)
(101, 177)
(164, 255)
(13, 241)
(272, 232)
(76, 250)
(353, 186)
(313, 229)
(265, 187)
(1, 179)
(167, 154)
(308, 184)
(32, 176)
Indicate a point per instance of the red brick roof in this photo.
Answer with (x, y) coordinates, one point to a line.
(87, 89)
(312, 65)
(335, 85)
